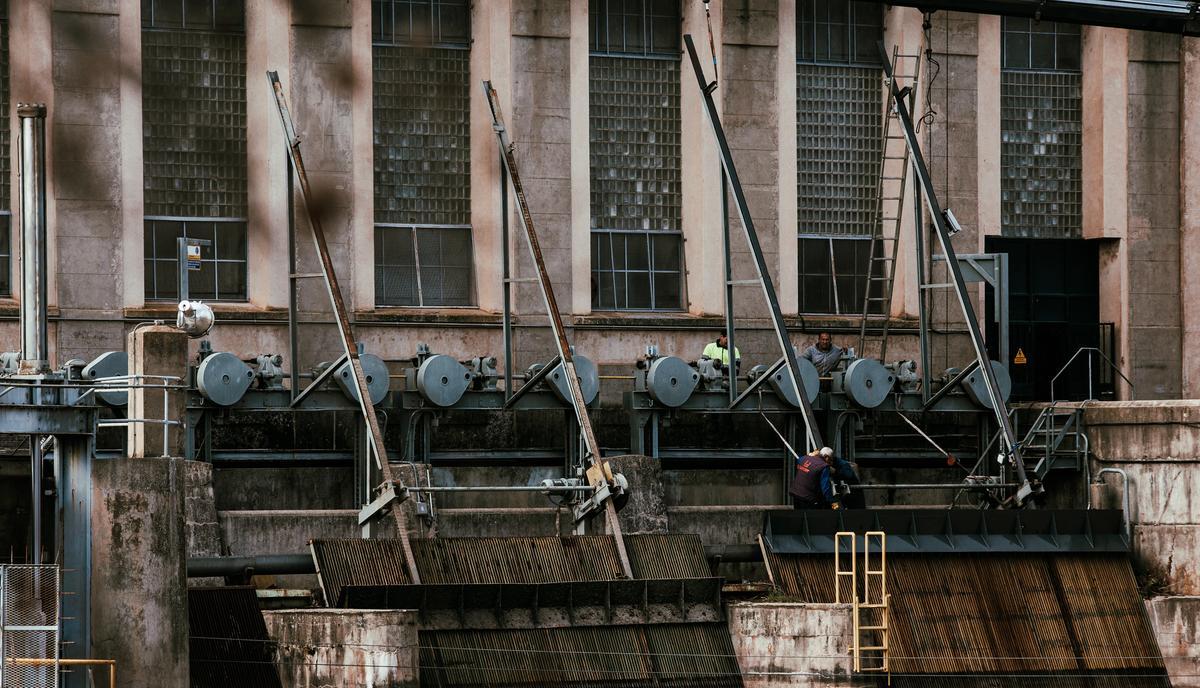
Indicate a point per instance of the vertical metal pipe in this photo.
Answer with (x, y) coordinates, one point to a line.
(728, 288)
(34, 336)
(181, 254)
(293, 306)
(922, 312)
(507, 269)
(35, 474)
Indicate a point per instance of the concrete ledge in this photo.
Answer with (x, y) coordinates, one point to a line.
(346, 647)
(1176, 623)
(793, 644)
(1143, 430)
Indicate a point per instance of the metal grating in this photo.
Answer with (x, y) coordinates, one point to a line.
(839, 130)
(194, 123)
(423, 266)
(228, 644)
(659, 655)
(29, 625)
(1079, 616)
(1041, 154)
(667, 556)
(223, 262)
(422, 135)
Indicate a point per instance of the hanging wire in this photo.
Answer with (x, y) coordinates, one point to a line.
(930, 114)
(712, 46)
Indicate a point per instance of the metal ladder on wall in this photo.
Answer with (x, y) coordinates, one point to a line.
(870, 610)
(889, 192)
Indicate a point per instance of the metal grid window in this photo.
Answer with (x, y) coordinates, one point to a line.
(423, 266)
(833, 274)
(421, 60)
(194, 142)
(223, 262)
(5, 164)
(635, 155)
(1041, 130)
(838, 32)
(636, 270)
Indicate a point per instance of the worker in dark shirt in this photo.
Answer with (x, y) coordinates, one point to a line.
(814, 486)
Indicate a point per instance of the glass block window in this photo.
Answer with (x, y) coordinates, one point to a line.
(222, 273)
(637, 270)
(635, 158)
(1041, 130)
(423, 266)
(838, 32)
(834, 275)
(194, 108)
(421, 65)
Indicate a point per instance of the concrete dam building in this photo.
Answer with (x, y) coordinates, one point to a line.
(496, 342)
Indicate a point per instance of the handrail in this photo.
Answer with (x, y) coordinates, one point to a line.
(40, 661)
(1074, 356)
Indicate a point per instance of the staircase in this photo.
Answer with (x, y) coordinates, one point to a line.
(893, 174)
(1056, 440)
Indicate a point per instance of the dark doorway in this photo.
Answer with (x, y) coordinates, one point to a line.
(1054, 309)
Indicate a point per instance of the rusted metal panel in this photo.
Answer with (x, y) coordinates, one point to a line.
(1075, 617)
(614, 656)
(228, 646)
(660, 555)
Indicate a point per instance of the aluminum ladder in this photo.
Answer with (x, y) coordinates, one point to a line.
(889, 192)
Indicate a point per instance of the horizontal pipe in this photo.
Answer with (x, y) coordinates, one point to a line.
(934, 486)
(269, 564)
(501, 488)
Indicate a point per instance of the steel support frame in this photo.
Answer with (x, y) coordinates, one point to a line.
(1010, 449)
(730, 174)
(596, 473)
(391, 490)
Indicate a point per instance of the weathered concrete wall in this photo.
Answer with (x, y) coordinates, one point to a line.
(1157, 444)
(1153, 229)
(200, 511)
(793, 644)
(139, 584)
(1176, 623)
(343, 647)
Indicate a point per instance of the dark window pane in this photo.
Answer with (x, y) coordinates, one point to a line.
(197, 14)
(1016, 50)
(667, 250)
(1067, 54)
(231, 14)
(164, 14)
(1041, 49)
(166, 280)
(231, 281)
(639, 290)
(815, 294)
(639, 258)
(666, 290)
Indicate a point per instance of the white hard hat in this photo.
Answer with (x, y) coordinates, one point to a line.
(826, 451)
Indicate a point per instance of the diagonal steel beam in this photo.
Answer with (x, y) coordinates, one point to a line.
(391, 487)
(760, 263)
(509, 158)
(1011, 448)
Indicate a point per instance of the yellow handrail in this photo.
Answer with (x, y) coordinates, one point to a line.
(44, 661)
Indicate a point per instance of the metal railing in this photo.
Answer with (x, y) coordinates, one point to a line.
(135, 381)
(1091, 350)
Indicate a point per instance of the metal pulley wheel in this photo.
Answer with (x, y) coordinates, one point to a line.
(976, 388)
(442, 381)
(223, 378)
(810, 382)
(589, 380)
(867, 382)
(376, 372)
(670, 381)
(109, 364)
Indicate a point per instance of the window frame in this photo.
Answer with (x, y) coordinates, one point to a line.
(600, 19)
(1059, 31)
(385, 10)
(150, 280)
(837, 308)
(806, 17)
(413, 229)
(598, 272)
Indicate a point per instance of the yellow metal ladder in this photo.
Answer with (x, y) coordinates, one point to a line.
(870, 610)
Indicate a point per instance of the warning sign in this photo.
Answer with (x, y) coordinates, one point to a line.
(1020, 359)
(193, 257)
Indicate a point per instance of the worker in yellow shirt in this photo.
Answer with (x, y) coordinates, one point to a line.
(718, 350)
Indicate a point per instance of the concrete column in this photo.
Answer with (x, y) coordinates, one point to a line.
(490, 59)
(346, 647)
(138, 570)
(1106, 177)
(1189, 214)
(701, 184)
(902, 28)
(133, 208)
(789, 211)
(581, 169)
(156, 350)
(362, 147)
(268, 47)
(987, 131)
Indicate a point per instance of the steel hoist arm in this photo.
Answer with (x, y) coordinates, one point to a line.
(391, 491)
(760, 263)
(1011, 448)
(598, 474)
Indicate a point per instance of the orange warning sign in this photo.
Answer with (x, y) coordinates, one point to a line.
(1020, 359)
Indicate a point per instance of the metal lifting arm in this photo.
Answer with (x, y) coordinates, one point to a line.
(760, 263)
(940, 224)
(598, 475)
(392, 490)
